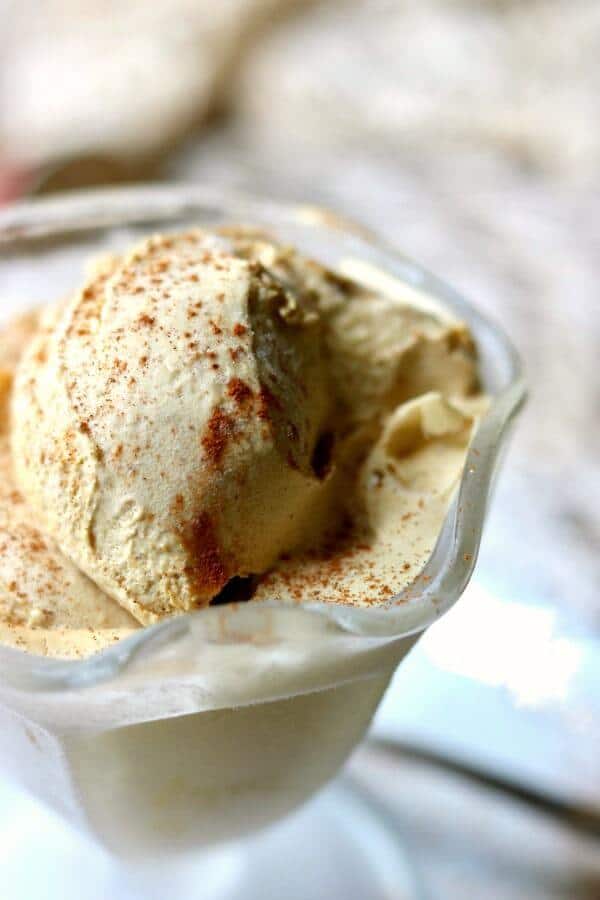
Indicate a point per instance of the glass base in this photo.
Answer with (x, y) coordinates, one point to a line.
(337, 846)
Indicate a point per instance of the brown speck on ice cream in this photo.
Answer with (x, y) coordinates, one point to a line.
(207, 566)
(219, 431)
(239, 391)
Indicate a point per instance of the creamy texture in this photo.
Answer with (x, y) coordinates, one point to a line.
(386, 343)
(397, 508)
(44, 598)
(223, 407)
(187, 393)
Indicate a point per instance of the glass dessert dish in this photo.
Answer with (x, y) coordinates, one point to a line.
(204, 728)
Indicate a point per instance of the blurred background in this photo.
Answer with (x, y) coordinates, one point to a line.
(467, 132)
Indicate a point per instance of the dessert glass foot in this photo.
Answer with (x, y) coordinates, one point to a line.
(338, 846)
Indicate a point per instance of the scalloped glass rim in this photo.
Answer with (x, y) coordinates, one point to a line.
(451, 564)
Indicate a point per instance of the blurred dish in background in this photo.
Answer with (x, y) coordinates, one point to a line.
(127, 80)
(116, 83)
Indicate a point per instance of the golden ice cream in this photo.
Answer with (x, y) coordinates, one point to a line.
(43, 596)
(188, 390)
(215, 406)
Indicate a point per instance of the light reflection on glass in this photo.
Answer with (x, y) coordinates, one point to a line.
(506, 644)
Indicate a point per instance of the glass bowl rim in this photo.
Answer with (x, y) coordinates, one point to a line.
(451, 564)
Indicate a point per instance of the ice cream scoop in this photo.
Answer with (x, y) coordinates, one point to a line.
(164, 430)
(216, 410)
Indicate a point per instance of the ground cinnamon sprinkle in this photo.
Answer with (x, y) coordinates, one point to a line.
(178, 504)
(159, 266)
(147, 320)
(239, 330)
(218, 433)
(239, 391)
(207, 566)
(320, 573)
